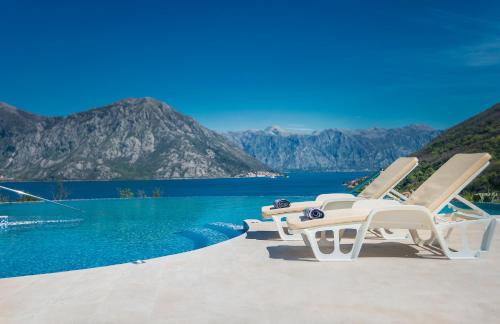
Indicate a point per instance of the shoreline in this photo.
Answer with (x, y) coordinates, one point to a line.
(186, 196)
(145, 179)
(285, 174)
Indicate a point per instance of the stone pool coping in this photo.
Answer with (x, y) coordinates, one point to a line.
(257, 278)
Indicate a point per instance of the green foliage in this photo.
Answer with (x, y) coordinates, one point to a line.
(26, 199)
(484, 197)
(156, 193)
(468, 195)
(125, 193)
(416, 178)
(480, 133)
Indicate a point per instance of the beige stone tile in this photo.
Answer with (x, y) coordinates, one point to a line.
(248, 280)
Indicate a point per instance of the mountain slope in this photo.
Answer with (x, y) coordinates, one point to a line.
(480, 133)
(130, 139)
(332, 149)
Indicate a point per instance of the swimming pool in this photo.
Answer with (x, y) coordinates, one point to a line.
(43, 238)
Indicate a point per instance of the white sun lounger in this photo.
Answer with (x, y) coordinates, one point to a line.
(419, 212)
(379, 188)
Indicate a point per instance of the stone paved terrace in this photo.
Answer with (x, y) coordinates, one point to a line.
(255, 278)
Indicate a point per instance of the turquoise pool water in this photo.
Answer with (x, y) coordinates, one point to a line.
(40, 238)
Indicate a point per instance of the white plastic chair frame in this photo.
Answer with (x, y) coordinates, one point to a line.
(412, 218)
(402, 217)
(336, 201)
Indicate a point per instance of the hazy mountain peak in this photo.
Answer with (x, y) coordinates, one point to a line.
(139, 103)
(276, 130)
(421, 127)
(332, 149)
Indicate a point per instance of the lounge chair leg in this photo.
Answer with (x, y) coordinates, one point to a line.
(336, 254)
(488, 235)
(278, 220)
(306, 239)
(360, 237)
(323, 240)
(420, 241)
(465, 252)
(391, 236)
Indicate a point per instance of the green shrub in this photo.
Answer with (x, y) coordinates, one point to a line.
(125, 193)
(156, 193)
(27, 199)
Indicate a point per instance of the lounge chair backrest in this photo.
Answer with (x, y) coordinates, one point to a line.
(447, 182)
(324, 197)
(389, 178)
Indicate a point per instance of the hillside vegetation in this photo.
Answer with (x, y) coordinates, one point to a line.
(480, 133)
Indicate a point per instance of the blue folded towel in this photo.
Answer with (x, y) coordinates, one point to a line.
(313, 213)
(281, 203)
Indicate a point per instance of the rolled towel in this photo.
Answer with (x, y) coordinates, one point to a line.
(281, 203)
(313, 213)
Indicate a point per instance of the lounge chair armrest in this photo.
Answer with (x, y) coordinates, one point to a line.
(401, 217)
(413, 218)
(268, 211)
(339, 203)
(375, 203)
(464, 215)
(467, 213)
(326, 197)
(395, 206)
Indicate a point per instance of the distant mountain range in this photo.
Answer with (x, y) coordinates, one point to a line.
(130, 139)
(480, 133)
(147, 139)
(332, 149)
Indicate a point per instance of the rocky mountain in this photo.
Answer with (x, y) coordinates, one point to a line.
(130, 139)
(332, 149)
(480, 133)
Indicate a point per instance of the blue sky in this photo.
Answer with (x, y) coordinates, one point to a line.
(250, 64)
